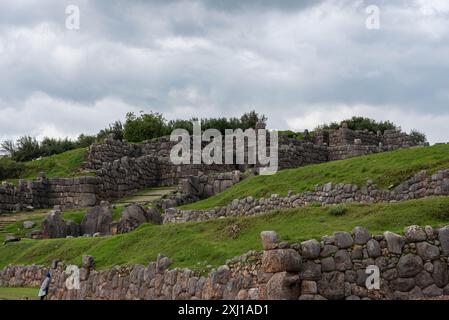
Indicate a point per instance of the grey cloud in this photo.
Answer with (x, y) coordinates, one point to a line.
(217, 58)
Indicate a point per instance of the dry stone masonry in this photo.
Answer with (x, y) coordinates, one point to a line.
(122, 168)
(46, 193)
(419, 186)
(411, 266)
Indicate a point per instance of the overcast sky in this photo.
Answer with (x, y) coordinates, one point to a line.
(301, 63)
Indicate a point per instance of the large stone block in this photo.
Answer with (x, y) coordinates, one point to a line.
(279, 260)
(283, 286)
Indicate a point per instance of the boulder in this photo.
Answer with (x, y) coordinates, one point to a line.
(443, 236)
(134, 215)
(409, 265)
(373, 248)
(88, 262)
(310, 249)
(97, 219)
(440, 273)
(427, 251)
(269, 239)
(11, 238)
(415, 233)
(73, 229)
(154, 216)
(343, 240)
(332, 285)
(343, 260)
(361, 235)
(283, 286)
(28, 224)
(221, 275)
(395, 242)
(54, 226)
(279, 260)
(162, 263)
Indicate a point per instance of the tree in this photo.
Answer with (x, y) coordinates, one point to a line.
(418, 136)
(8, 147)
(359, 123)
(27, 148)
(144, 127)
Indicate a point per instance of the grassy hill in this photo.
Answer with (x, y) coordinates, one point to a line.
(386, 169)
(67, 164)
(200, 244)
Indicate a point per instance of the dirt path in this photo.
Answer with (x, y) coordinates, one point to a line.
(146, 196)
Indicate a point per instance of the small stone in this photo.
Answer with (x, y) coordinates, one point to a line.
(88, 262)
(269, 239)
(309, 287)
(28, 224)
(443, 237)
(373, 248)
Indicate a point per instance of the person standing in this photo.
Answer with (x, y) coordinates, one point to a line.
(43, 292)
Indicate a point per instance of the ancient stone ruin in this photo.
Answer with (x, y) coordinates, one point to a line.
(120, 168)
(411, 266)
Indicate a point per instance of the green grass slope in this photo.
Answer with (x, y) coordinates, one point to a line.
(199, 244)
(67, 164)
(385, 169)
(19, 293)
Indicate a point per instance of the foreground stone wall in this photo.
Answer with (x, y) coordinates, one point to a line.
(419, 186)
(412, 266)
(45, 193)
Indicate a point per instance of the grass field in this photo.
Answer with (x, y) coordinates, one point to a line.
(18, 293)
(199, 244)
(385, 169)
(67, 164)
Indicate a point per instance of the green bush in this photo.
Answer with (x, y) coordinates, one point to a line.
(338, 210)
(418, 136)
(10, 169)
(359, 123)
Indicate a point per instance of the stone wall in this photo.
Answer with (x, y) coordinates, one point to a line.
(45, 193)
(342, 143)
(346, 143)
(195, 188)
(419, 186)
(413, 266)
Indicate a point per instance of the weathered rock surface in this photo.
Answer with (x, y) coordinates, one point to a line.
(97, 220)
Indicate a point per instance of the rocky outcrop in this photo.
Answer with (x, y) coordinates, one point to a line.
(134, 215)
(97, 220)
(54, 226)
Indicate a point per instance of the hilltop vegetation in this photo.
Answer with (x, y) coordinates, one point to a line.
(67, 164)
(386, 169)
(201, 244)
